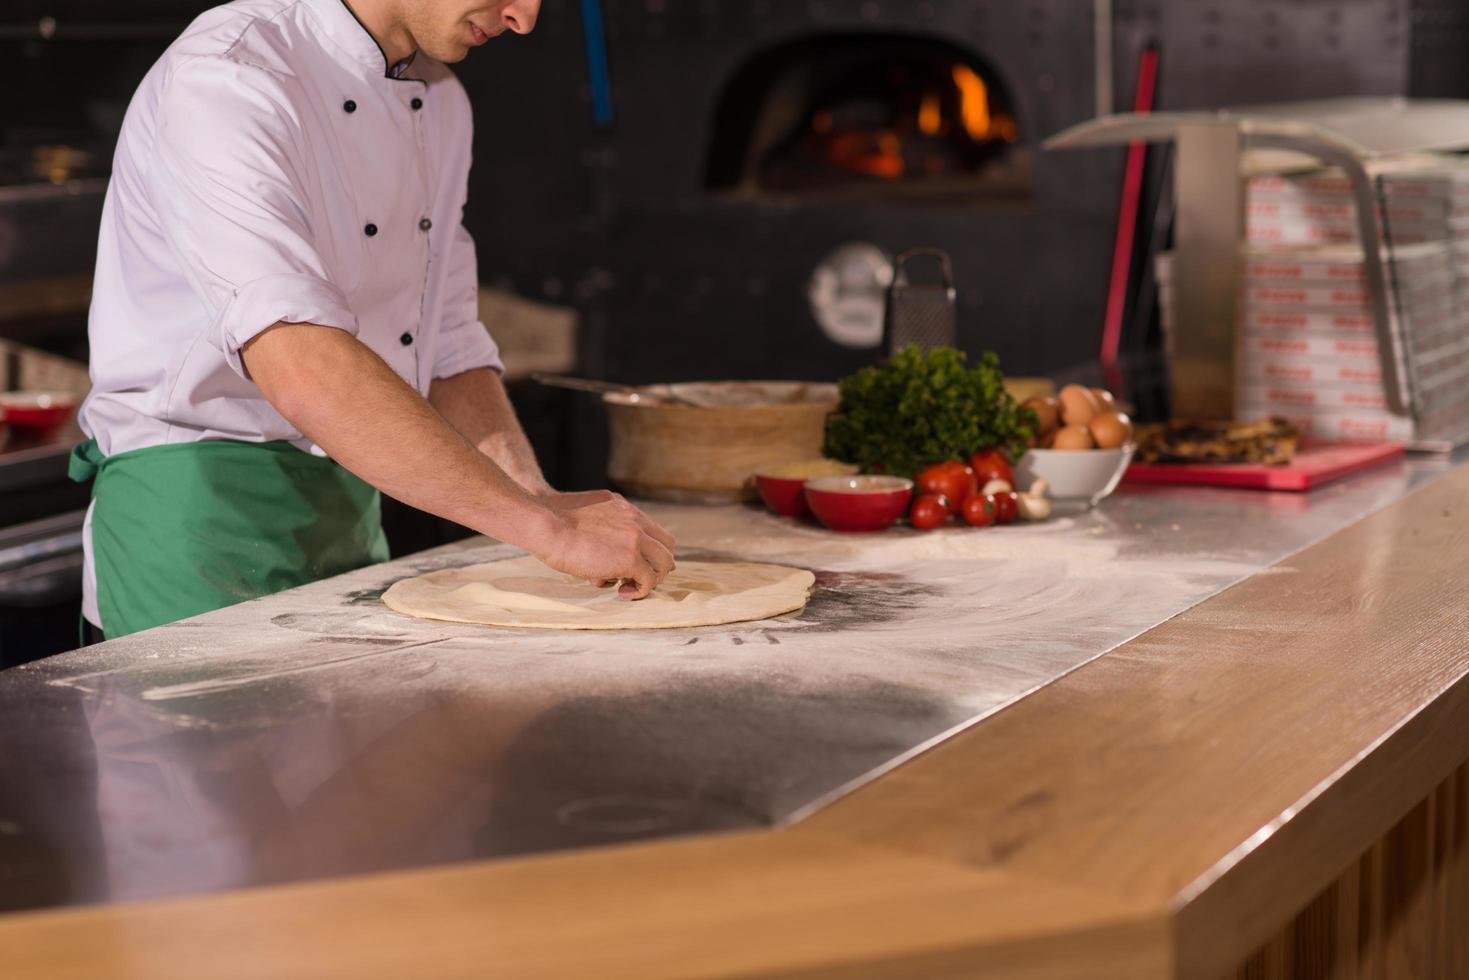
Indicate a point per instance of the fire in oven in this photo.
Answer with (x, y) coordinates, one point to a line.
(868, 115)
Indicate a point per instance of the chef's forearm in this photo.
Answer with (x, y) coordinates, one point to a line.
(476, 405)
(344, 398)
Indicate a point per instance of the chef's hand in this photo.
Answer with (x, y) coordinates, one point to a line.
(563, 502)
(603, 538)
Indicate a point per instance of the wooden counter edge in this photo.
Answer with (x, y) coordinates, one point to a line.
(764, 904)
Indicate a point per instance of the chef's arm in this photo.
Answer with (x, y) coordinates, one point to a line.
(344, 398)
(475, 404)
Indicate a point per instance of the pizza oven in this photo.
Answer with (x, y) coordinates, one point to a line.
(867, 115)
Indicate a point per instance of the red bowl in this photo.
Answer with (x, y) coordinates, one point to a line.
(36, 409)
(858, 503)
(784, 494)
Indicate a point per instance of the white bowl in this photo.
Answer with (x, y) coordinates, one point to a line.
(1077, 476)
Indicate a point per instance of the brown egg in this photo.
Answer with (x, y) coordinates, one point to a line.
(1074, 437)
(1105, 401)
(1047, 412)
(1110, 429)
(1078, 405)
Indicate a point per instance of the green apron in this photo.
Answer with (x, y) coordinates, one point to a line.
(181, 529)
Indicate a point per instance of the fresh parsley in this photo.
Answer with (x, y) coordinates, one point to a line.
(921, 408)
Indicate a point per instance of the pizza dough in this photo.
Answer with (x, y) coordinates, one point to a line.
(523, 592)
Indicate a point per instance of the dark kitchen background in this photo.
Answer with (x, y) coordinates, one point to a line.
(713, 186)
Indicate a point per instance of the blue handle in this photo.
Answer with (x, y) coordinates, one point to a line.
(597, 71)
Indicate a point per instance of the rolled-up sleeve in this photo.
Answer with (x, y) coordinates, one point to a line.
(464, 341)
(228, 184)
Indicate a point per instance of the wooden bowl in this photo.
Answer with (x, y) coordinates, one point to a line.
(708, 452)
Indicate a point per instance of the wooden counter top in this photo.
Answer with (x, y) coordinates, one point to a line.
(1277, 774)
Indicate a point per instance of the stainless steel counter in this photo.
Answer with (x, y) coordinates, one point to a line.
(316, 733)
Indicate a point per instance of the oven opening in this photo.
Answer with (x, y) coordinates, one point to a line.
(867, 112)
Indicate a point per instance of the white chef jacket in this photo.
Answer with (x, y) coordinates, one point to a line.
(269, 170)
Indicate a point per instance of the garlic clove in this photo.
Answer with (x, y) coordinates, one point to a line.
(1032, 507)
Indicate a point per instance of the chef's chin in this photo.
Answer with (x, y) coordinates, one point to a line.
(452, 53)
(447, 51)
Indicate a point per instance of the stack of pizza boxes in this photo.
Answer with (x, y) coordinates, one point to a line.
(1307, 344)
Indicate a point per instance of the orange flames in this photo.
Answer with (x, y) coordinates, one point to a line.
(974, 103)
(931, 114)
(880, 152)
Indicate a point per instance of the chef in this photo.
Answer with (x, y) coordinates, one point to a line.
(284, 320)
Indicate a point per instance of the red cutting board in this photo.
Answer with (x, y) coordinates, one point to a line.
(1314, 464)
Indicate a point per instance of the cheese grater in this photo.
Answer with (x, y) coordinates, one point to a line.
(920, 313)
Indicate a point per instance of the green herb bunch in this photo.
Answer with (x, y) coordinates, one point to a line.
(921, 408)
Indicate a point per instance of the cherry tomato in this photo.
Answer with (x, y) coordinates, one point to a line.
(962, 471)
(978, 510)
(1005, 505)
(991, 464)
(929, 511)
(951, 480)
